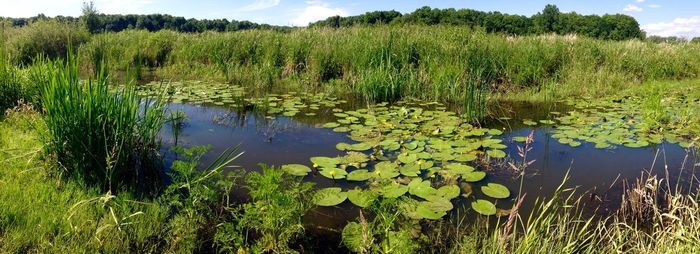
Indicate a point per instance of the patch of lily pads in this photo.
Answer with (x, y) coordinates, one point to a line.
(610, 123)
(425, 156)
(197, 92)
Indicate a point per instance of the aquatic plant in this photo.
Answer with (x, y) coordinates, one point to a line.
(273, 219)
(411, 143)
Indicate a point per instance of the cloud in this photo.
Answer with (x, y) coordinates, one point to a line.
(654, 6)
(260, 5)
(639, 1)
(632, 8)
(316, 10)
(683, 27)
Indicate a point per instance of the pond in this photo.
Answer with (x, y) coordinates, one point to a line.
(294, 128)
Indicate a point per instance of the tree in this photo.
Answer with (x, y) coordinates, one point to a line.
(695, 40)
(90, 17)
(547, 21)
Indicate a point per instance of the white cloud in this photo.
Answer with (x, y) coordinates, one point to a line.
(639, 1)
(316, 10)
(654, 6)
(684, 27)
(632, 8)
(260, 5)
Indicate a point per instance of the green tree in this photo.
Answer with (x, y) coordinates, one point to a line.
(91, 18)
(547, 21)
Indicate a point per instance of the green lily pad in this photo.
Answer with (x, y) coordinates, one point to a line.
(421, 188)
(296, 169)
(484, 207)
(448, 191)
(427, 213)
(393, 190)
(474, 176)
(362, 198)
(496, 154)
(329, 197)
(495, 190)
(333, 173)
(359, 175)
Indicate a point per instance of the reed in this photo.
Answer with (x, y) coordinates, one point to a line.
(107, 138)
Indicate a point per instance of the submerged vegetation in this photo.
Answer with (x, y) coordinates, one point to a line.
(418, 160)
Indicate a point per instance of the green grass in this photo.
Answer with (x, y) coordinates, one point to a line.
(106, 138)
(41, 213)
(387, 63)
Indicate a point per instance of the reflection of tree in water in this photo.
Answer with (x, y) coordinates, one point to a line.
(266, 127)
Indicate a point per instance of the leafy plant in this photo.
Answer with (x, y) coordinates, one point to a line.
(273, 219)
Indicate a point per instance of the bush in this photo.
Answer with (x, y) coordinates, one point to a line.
(49, 38)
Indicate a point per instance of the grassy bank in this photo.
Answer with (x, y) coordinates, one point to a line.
(382, 63)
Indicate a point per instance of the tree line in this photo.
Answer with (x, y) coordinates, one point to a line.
(98, 22)
(549, 20)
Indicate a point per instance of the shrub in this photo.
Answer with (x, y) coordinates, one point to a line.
(49, 38)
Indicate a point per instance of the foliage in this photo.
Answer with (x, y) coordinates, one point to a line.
(550, 20)
(108, 139)
(48, 38)
(12, 83)
(98, 22)
(273, 218)
(388, 232)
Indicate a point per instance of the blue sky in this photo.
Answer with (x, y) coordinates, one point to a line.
(661, 17)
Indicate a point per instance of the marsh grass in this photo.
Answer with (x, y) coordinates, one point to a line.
(106, 138)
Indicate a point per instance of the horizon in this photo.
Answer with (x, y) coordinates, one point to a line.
(656, 17)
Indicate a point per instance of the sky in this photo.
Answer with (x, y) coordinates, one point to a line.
(657, 17)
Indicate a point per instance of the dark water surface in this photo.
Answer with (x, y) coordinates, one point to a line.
(599, 173)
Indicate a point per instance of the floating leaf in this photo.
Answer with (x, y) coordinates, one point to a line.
(296, 169)
(495, 190)
(448, 191)
(333, 173)
(361, 198)
(484, 207)
(427, 213)
(421, 188)
(393, 190)
(329, 196)
(359, 175)
(474, 176)
(496, 153)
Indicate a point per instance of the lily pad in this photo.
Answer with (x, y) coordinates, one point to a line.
(361, 198)
(484, 207)
(359, 175)
(393, 190)
(296, 169)
(495, 190)
(333, 173)
(329, 196)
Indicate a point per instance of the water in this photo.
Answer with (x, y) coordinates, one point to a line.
(599, 173)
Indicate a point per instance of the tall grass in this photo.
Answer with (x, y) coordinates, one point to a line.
(106, 138)
(48, 38)
(387, 63)
(11, 82)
